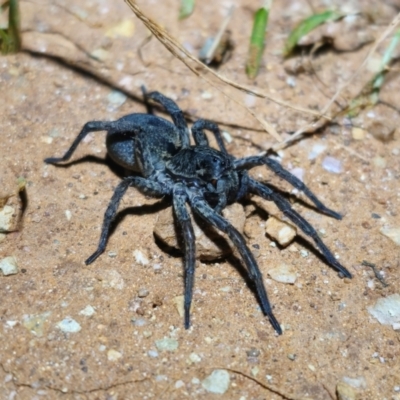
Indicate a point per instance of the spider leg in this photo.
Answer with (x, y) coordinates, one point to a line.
(144, 185)
(183, 218)
(201, 207)
(145, 93)
(249, 162)
(176, 114)
(201, 139)
(92, 126)
(268, 194)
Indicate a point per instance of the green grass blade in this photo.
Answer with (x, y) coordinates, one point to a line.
(10, 39)
(186, 9)
(257, 42)
(386, 59)
(307, 26)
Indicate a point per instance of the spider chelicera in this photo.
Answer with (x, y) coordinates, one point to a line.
(164, 164)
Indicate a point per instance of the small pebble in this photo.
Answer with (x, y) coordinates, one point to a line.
(387, 310)
(304, 253)
(217, 382)
(152, 353)
(206, 96)
(8, 266)
(392, 233)
(124, 28)
(88, 311)
(316, 150)
(358, 133)
(345, 391)
(69, 325)
(179, 384)
(113, 355)
(6, 218)
(143, 293)
(166, 344)
(140, 257)
(226, 135)
(379, 162)
(283, 273)
(68, 215)
(35, 323)
(281, 231)
(331, 164)
(100, 54)
(194, 358)
(116, 98)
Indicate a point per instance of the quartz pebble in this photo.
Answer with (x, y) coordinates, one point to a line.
(167, 344)
(392, 233)
(217, 382)
(283, 273)
(8, 266)
(387, 310)
(281, 231)
(69, 325)
(113, 355)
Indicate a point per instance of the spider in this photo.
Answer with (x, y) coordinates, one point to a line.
(164, 164)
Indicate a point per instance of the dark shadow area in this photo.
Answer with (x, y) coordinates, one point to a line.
(130, 95)
(23, 196)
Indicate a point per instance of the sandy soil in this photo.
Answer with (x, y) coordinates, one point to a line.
(126, 308)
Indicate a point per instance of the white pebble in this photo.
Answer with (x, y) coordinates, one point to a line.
(218, 382)
(392, 233)
(167, 344)
(281, 231)
(69, 325)
(387, 310)
(6, 217)
(113, 355)
(140, 257)
(316, 150)
(194, 358)
(283, 273)
(8, 266)
(331, 164)
(88, 311)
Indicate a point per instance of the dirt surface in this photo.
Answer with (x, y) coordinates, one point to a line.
(128, 300)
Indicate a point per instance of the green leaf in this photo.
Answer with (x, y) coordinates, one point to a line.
(257, 42)
(186, 9)
(307, 26)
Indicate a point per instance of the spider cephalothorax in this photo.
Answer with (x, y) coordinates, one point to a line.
(206, 179)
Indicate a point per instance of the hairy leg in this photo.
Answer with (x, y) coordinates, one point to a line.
(92, 126)
(142, 184)
(176, 114)
(249, 162)
(268, 194)
(183, 218)
(201, 207)
(200, 137)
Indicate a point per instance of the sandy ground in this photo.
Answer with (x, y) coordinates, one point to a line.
(127, 309)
